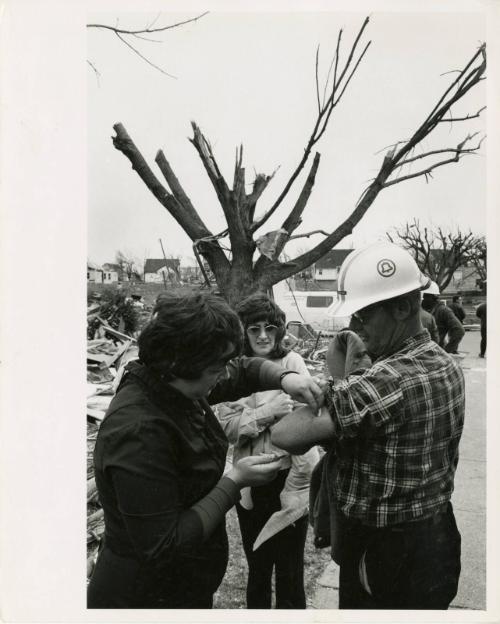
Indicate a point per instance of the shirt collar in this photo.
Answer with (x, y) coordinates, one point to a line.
(408, 345)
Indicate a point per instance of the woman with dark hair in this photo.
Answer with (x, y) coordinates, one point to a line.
(160, 455)
(273, 518)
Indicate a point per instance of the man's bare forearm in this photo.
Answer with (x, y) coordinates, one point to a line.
(299, 431)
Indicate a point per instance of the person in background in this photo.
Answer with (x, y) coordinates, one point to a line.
(160, 455)
(481, 315)
(450, 329)
(395, 426)
(429, 323)
(273, 518)
(457, 308)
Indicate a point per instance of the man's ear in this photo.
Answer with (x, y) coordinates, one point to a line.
(401, 310)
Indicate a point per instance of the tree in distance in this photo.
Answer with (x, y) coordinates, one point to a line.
(439, 252)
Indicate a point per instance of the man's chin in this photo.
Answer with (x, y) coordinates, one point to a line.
(371, 351)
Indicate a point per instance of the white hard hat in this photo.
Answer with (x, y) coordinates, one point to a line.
(432, 290)
(374, 273)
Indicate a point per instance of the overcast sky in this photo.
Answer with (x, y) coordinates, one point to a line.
(249, 78)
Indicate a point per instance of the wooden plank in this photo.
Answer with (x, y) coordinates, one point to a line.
(115, 332)
(120, 351)
(95, 413)
(101, 358)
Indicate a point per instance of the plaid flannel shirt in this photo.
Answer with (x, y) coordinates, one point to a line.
(397, 429)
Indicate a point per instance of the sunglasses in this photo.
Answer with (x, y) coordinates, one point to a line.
(256, 330)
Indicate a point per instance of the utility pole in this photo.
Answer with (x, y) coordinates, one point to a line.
(166, 267)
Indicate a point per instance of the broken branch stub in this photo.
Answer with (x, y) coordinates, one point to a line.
(188, 220)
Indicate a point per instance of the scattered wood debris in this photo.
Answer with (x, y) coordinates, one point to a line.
(107, 355)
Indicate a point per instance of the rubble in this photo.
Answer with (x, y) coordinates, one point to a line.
(107, 354)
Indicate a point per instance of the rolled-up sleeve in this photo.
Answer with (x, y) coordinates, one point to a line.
(366, 403)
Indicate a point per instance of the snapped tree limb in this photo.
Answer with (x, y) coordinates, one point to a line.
(237, 273)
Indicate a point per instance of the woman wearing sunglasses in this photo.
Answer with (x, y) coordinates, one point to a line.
(273, 518)
(160, 456)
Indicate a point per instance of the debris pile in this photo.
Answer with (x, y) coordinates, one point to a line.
(107, 356)
(313, 349)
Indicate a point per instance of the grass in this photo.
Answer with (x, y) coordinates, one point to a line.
(231, 593)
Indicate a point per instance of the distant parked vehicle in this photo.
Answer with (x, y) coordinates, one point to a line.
(312, 307)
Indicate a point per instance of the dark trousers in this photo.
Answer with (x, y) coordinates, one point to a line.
(452, 344)
(415, 565)
(284, 552)
(482, 348)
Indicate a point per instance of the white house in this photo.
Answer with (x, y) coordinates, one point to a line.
(94, 273)
(156, 270)
(110, 273)
(327, 268)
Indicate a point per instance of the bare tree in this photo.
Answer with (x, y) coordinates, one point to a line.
(127, 263)
(148, 33)
(438, 253)
(477, 258)
(232, 263)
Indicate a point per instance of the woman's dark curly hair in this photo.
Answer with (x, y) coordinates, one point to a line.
(259, 307)
(188, 334)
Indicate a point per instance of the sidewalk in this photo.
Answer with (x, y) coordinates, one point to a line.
(469, 497)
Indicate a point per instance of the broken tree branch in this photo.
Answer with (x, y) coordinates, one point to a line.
(144, 58)
(140, 31)
(178, 191)
(317, 80)
(294, 219)
(260, 184)
(96, 72)
(308, 234)
(466, 118)
(459, 151)
(123, 143)
(207, 158)
(452, 150)
(470, 78)
(321, 120)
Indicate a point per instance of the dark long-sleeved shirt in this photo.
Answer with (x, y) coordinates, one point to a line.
(159, 458)
(429, 323)
(448, 326)
(481, 313)
(457, 310)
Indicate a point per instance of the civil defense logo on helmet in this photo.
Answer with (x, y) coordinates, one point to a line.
(386, 267)
(374, 273)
